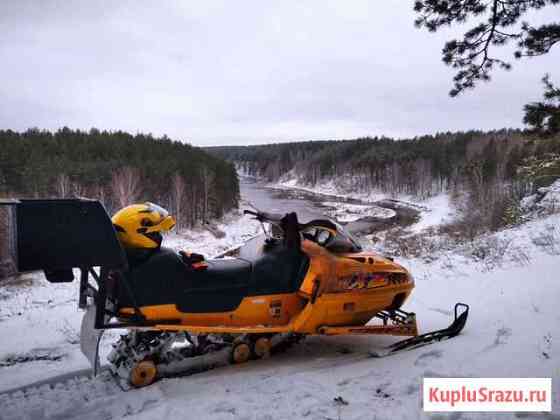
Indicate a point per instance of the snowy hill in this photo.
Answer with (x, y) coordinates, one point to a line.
(513, 329)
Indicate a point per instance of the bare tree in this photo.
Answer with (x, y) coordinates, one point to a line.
(207, 179)
(3, 185)
(7, 242)
(100, 194)
(125, 185)
(78, 190)
(194, 204)
(177, 196)
(63, 185)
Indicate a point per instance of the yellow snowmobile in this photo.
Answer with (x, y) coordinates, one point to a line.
(185, 313)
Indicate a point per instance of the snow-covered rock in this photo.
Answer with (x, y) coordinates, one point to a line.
(344, 212)
(546, 199)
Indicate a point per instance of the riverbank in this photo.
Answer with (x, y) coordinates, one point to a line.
(416, 215)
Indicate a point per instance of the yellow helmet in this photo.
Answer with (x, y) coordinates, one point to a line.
(142, 225)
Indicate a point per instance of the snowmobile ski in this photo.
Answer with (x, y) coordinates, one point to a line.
(430, 337)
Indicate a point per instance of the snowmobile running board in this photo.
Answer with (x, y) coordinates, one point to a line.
(433, 336)
(395, 322)
(405, 326)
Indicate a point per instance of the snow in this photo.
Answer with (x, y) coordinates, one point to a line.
(343, 187)
(545, 200)
(344, 212)
(238, 229)
(43, 319)
(438, 210)
(512, 331)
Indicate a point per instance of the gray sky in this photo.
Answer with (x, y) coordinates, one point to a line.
(242, 72)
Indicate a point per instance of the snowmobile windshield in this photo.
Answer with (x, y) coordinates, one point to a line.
(339, 241)
(343, 241)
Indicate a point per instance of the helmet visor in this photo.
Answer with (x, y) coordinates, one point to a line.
(154, 207)
(163, 226)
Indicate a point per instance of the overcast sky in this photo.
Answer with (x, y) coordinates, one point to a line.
(243, 72)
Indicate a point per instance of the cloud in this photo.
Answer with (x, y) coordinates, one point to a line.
(222, 72)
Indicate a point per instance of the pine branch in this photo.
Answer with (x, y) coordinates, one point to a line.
(472, 56)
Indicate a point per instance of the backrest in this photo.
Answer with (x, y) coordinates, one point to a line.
(60, 234)
(279, 271)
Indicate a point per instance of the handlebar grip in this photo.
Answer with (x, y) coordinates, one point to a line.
(272, 217)
(263, 216)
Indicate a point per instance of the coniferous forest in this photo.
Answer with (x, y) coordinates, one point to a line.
(118, 169)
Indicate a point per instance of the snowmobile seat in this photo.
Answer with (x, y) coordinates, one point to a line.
(219, 288)
(163, 278)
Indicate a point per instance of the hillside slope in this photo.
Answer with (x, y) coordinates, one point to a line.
(118, 169)
(512, 331)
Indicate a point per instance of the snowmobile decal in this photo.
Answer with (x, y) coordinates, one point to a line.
(362, 281)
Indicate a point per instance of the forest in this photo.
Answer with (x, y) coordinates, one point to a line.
(118, 169)
(494, 169)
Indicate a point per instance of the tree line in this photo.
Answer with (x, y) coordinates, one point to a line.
(488, 166)
(117, 168)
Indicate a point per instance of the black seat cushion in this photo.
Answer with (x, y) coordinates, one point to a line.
(219, 288)
(280, 270)
(163, 278)
(153, 279)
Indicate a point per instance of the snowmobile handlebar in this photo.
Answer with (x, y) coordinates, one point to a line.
(276, 219)
(262, 216)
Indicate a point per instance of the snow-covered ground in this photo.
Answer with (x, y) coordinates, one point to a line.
(41, 321)
(436, 211)
(513, 289)
(237, 230)
(341, 188)
(545, 200)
